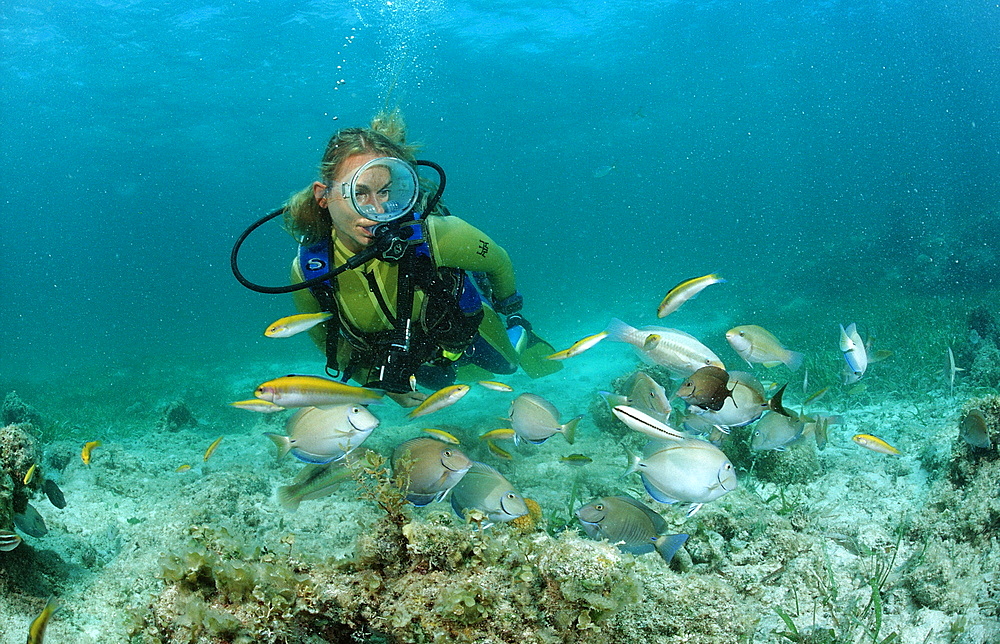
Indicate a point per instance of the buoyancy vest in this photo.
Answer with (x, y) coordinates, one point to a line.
(448, 319)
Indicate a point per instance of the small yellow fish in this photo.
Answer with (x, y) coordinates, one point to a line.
(502, 453)
(439, 400)
(495, 386)
(211, 448)
(578, 347)
(257, 405)
(875, 444)
(816, 395)
(314, 391)
(651, 341)
(30, 474)
(506, 433)
(37, 629)
(442, 435)
(686, 290)
(295, 324)
(183, 468)
(577, 460)
(87, 449)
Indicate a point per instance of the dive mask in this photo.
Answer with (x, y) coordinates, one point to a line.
(383, 189)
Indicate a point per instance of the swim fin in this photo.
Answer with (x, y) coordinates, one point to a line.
(532, 359)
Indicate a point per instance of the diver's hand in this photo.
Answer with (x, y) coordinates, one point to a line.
(408, 399)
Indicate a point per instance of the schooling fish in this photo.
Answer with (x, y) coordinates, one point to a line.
(687, 471)
(630, 525)
(681, 353)
(36, 632)
(434, 468)
(774, 432)
(493, 385)
(686, 290)
(257, 405)
(486, 490)
(315, 391)
(757, 344)
(442, 435)
(323, 435)
(708, 388)
(295, 324)
(875, 444)
(317, 481)
(211, 448)
(440, 399)
(535, 420)
(578, 347)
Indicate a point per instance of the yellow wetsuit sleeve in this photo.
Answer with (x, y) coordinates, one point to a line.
(456, 243)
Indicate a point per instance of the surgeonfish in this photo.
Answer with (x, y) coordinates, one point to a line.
(87, 451)
(681, 353)
(315, 481)
(54, 494)
(486, 490)
(686, 471)
(433, 468)
(535, 420)
(974, 430)
(36, 631)
(645, 394)
(30, 522)
(257, 405)
(320, 436)
(315, 391)
(855, 353)
(295, 324)
(756, 344)
(444, 397)
(578, 347)
(707, 387)
(775, 432)
(875, 444)
(9, 540)
(686, 290)
(746, 404)
(630, 525)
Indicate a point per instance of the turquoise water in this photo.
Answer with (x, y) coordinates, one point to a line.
(835, 161)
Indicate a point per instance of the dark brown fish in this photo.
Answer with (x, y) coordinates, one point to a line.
(707, 387)
(55, 495)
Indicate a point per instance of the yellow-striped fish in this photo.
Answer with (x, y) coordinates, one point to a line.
(442, 435)
(686, 290)
(502, 453)
(439, 400)
(211, 448)
(183, 468)
(578, 347)
(87, 449)
(495, 386)
(875, 444)
(497, 434)
(36, 632)
(257, 405)
(30, 474)
(295, 324)
(314, 391)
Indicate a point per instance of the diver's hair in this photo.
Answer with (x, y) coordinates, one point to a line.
(385, 136)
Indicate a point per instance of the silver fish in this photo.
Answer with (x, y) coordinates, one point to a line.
(320, 436)
(746, 403)
(688, 471)
(486, 490)
(629, 524)
(680, 352)
(774, 432)
(645, 394)
(855, 353)
(535, 420)
(974, 430)
(434, 468)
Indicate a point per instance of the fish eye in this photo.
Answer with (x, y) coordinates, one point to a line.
(598, 507)
(447, 452)
(728, 466)
(511, 495)
(742, 333)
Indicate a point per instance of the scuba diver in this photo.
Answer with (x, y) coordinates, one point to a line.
(415, 293)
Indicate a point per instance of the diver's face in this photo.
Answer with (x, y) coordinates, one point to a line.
(349, 226)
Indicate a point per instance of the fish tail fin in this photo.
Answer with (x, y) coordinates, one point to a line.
(794, 360)
(288, 499)
(569, 429)
(283, 444)
(617, 330)
(775, 403)
(633, 462)
(668, 545)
